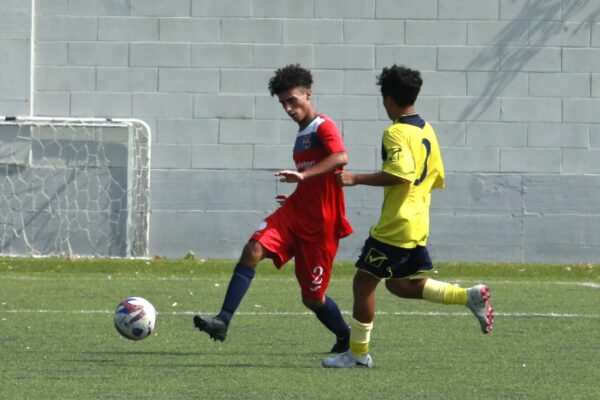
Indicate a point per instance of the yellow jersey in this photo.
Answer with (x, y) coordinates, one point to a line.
(410, 151)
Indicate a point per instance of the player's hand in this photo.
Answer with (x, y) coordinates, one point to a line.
(290, 176)
(281, 199)
(345, 178)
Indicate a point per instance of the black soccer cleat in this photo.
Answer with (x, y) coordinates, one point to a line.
(342, 345)
(215, 327)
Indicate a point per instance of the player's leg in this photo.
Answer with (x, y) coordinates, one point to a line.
(267, 242)
(314, 263)
(475, 298)
(328, 312)
(427, 289)
(241, 278)
(363, 313)
(240, 281)
(371, 268)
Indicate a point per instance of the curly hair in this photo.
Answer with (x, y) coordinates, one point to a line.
(401, 84)
(289, 77)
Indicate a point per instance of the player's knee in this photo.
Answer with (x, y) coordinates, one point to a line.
(406, 288)
(252, 253)
(364, 283)
(399, 287)
(312, 303)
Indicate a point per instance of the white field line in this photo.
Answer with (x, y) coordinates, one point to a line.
(295, 314)
(590, 284)
(267, 279)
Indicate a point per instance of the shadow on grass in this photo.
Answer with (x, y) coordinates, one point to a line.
(267, 360)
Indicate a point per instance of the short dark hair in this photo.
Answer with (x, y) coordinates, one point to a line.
(401, 84)
(289, 77)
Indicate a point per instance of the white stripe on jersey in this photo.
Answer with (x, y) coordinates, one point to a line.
(312, 127)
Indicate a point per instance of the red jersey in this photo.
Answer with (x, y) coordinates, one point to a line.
(316, 210)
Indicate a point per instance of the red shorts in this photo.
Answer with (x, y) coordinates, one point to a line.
(314, 259)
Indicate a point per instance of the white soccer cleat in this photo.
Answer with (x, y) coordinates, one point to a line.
(348, 360)
(478, 301)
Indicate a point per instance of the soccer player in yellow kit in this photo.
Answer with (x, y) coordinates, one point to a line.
(396, 248)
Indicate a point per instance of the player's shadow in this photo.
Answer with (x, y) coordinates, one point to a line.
(545, 20)
(138, 353)
(277, 359)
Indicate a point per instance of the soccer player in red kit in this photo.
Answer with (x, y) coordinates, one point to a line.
(308, 224)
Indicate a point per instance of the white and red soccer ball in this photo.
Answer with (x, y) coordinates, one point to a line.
(135, 318)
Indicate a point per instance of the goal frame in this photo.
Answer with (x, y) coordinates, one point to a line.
(131, 166)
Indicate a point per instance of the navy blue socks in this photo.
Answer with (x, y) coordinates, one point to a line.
(329, 314)
(238, 286)
(331, 317)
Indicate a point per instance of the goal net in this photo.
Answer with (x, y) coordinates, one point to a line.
(74, 187)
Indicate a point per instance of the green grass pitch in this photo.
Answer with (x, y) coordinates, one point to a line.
(57, 339)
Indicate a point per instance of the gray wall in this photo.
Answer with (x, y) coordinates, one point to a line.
(512, 87)
(15, 50)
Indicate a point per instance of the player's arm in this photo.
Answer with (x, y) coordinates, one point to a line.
(398, 166)
(330, 163)
(379, 178)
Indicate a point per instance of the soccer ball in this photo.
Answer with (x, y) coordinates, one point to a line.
(135, 318)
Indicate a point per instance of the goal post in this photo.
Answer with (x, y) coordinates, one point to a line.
(74, 187)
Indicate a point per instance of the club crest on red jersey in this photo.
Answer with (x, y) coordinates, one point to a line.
(306, 141)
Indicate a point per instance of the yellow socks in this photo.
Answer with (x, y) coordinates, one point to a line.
(434, 291)
(360, 336)
(443, 292)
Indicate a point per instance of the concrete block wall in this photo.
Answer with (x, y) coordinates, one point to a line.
(512, 87)
(15, 50)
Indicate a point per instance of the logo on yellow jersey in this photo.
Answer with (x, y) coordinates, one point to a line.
(394, 154)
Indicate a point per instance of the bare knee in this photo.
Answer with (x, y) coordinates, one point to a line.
(312, 303)
(252, 253)
(363, 288)
(406, 288)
